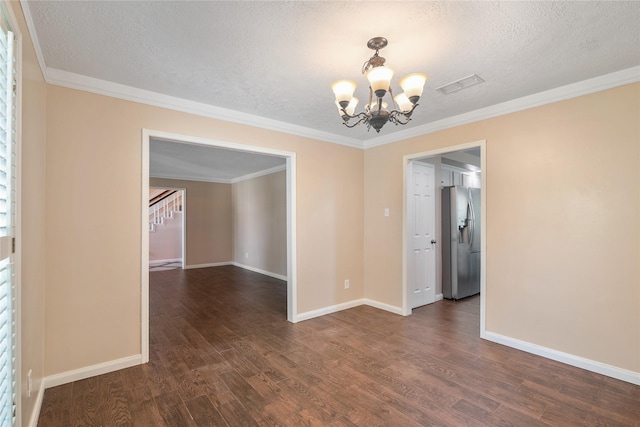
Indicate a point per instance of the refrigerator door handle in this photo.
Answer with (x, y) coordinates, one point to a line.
(473, 222)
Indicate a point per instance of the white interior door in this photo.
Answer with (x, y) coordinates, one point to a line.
(421, 262)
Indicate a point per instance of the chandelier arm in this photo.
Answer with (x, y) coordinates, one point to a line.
(406, 114)
(395, 106)
(395, 115)
(362, 119)
(349, 116)
(360, 116)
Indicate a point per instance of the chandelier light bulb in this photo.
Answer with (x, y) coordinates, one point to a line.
(343, 90)
(413, 85)
(403, 102)
(351, 108)
(380, 79)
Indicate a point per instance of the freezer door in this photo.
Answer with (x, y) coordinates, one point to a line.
(469, 253)
(460, 237)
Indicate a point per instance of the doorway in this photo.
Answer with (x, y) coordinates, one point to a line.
(289, 159)
(166, 228)
(445, 162)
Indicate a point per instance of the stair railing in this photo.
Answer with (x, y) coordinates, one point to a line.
(163, 206)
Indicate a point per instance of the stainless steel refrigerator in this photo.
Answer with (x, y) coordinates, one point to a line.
(460, 242)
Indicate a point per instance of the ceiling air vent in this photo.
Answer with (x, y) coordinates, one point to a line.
(464, 83)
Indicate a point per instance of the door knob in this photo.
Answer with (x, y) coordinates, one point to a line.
(433, 242)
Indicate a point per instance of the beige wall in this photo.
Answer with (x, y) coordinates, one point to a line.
(208, 222)
(260, 223)
(562, 188)
(553, 278)
(32, 243)
(93, 274)
(165, 240)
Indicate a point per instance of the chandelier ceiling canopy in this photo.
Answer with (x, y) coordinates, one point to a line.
(375, 112)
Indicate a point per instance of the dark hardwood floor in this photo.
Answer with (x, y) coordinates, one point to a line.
(223, 354)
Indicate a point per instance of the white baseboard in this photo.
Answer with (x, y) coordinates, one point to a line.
(439, 297)
(328, 310)
(33, 421)
(211, 264)
(347, 305)
(569, 359)
(91, 371)
(237, 264)
(258, 270)
(164, 261)
(383, 306)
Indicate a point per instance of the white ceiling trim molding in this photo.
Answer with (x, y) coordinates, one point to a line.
(102, 87)
(216, 180)
(183, 177)
(115, 90)
(34, 36)
(585, 87)
(258, 174)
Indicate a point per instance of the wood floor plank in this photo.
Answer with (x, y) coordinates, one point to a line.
(86, 409)
(173, 410)
(204, 413)
(114, 407)
(57, 405)
(497, 419)
(146, 413)
(235, 414)
(222, 353)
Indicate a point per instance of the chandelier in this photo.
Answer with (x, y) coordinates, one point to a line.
(375, 113)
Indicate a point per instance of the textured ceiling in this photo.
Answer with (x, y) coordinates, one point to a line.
(277, 59)
(193, 162)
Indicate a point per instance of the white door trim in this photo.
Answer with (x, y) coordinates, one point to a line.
(147, 134)
(406, 308)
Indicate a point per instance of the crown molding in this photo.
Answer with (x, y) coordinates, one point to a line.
(115, 90)
(216, 180)
(585, 87)
(258, 174)
(102, 87)
(184, 177)
(31, 27)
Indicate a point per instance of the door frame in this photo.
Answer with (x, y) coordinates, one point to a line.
(289, 156)
(183, 225)
(406, 160)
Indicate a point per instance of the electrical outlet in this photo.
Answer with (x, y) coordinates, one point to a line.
(346, 284)
(246, 255)
(29, 383)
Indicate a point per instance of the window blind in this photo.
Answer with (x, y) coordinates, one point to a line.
(7, 221)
